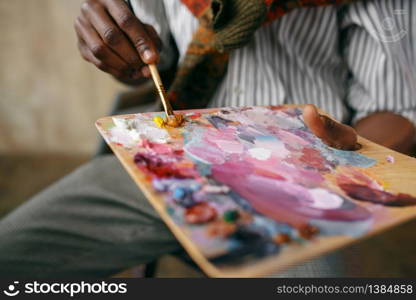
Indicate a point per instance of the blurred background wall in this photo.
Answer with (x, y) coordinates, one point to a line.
(49, 97)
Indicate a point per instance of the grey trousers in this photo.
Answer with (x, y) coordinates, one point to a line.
(92, 223)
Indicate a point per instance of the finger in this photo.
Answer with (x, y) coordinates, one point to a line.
(313, 121)
(111, 34)
(99, 50)
(151, 31)
(88, 56)
(82, 47)
(332, 133)
(135, 31)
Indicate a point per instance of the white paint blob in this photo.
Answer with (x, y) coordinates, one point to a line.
(260, 153)
(129, 131)
(323, 199)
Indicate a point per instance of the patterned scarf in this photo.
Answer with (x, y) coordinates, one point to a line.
(224, 25)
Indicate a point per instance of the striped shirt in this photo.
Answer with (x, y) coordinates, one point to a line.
(349, 60)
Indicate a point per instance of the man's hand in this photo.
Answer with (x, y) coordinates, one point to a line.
(112, 38)
(332, 133)
(385, 128)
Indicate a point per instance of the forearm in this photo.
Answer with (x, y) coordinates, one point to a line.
(390, 130)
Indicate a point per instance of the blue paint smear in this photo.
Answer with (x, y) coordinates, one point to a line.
(353, 229)
(353, 159)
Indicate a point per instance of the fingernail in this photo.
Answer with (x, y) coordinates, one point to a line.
(147, 55)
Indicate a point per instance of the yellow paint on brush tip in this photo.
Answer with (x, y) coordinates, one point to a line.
(175, 121)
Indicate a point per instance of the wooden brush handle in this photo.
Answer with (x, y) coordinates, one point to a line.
(161, 89)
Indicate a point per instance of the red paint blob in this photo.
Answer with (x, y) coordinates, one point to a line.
(163, 167)
(200, 213)
(365, 193)
(313, 158)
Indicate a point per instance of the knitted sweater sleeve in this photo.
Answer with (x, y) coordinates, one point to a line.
(235, 21)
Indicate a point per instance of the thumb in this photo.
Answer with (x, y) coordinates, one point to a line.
(332, 133)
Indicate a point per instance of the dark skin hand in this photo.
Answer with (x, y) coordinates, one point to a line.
(332, 133)
(385, 128)
(112, 38)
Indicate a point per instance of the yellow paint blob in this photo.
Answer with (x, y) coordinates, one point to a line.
(159, 122)
(173, 121)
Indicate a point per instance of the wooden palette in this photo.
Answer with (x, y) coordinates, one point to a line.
(395, 177)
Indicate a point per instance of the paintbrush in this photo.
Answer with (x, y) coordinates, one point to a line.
(162, 92)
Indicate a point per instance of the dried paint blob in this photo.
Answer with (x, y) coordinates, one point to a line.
(174, 121)
(322, 199)
(260, 153)
(308, 231)
(282, 238)
(159, 121)
(368, 194)
(200, 213)
(128, 132)
(360, 186)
